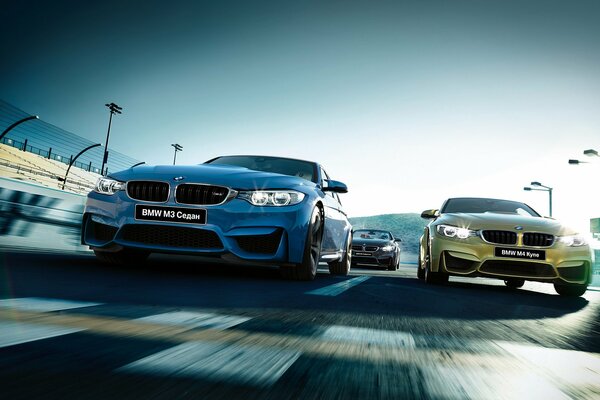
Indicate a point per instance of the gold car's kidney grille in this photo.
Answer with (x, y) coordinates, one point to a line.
(500, 237)
(538, 239)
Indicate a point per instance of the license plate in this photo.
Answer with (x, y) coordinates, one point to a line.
(520, 253)
(358, 253)
(170, 214)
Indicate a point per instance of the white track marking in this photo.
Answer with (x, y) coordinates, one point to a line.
(195, 320)
(338, 288)
(249, 365)
(576, 367)
(13, 333)
(369, 336)
(43, 305)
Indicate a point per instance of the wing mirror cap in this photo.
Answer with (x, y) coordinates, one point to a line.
(430, 214)
(335, 186)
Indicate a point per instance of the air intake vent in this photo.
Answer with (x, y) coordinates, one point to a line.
(538, 239)
(262, 244)
(148, 191)
(500, 237)
(170, 236)
(189, 193)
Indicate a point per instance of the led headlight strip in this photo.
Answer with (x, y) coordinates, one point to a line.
(455, 232)
(275, 198)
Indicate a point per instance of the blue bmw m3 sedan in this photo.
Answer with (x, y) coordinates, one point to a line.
(255, 209)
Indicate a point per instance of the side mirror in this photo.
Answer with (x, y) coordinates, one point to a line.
(397, 240)
(430, 214)
(335, 186)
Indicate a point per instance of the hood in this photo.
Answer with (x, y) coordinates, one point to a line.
(509, 222)
(223, 175)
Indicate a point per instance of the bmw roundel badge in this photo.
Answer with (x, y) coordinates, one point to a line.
(519, 227)
(178, 178)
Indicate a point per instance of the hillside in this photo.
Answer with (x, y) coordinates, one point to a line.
(408, 227)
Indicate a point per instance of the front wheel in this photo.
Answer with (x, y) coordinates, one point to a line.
(343, 266)
(420, 271)
(570, 290)
(307, 269)
(432, 277)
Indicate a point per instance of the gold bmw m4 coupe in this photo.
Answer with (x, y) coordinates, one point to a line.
(502, 239)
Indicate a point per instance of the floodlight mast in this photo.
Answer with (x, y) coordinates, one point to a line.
(177, 147)
(114, 109)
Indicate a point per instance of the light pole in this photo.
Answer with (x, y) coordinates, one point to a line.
(114, 109)
(589, 153)
(177, 148)
(542, 188)
(17, 123)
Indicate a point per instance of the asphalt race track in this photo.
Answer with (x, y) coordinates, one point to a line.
(176, 328)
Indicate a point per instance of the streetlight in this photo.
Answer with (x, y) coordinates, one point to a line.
(114, 109)
(177, 148)
(589, 153)
(542, 188)
(17, 123)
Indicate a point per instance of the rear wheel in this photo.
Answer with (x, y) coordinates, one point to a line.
(122, 257)
(307, 269)
(343, 266)
(570, 290)
(514, 283)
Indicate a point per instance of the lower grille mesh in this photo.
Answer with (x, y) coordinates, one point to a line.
(518, 268)
(170, 236)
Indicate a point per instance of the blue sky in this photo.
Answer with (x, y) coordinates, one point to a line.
(407, 102)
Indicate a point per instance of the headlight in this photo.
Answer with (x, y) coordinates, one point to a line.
(276, 198)
(455, 232)
(573, 240)
(108, 186)
(389, 247)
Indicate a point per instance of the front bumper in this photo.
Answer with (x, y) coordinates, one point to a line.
(376, 258)
(474, 257)
(235, 230)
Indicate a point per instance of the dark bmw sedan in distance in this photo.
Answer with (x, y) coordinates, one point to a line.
(375, 247)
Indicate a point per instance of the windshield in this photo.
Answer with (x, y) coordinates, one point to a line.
(477, 206)
(284, 166)
(367, 234)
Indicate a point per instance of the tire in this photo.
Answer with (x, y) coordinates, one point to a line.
(420, 271)
(570, 290)
(514, 283)
(307, 269)
(122, 257)
(343, 266)
(435, 278)
(392, 266)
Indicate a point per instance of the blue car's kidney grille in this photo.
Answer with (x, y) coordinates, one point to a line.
(262, 244)
(538, 239)
(171, 236)
(500, 237)
(148, 191)
(190, 193)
